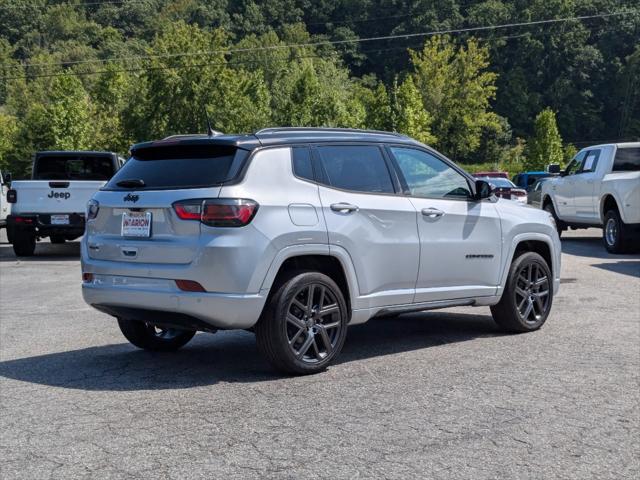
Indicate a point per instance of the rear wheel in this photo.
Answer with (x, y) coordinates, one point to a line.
(24, 244)
(150, 337)
(615, 234)
(57, 239)
(560, 226)
(528, 295)
(303, 328)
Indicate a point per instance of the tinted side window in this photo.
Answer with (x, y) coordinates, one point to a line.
(627, 160)
(428, 176)
(302, 163)
(357, 168)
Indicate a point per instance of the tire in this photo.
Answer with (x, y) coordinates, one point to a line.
(616, 235)
(156, 339)
(57, 239)
(24, 244)
(293, 334)
(560, 226)
(527, 297)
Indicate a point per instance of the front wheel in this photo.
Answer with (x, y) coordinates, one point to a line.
(527, 297)
(151, 337)
(560, 227)
(304, 326)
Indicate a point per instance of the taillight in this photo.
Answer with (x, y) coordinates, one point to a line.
(92, 209)
(218, 212)
(12, 196)
(518, 193)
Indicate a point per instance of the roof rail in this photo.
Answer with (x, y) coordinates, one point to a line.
(324, 129)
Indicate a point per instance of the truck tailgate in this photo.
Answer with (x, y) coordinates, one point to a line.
(53, 196)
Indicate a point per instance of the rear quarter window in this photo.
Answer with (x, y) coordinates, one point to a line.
(181, 166)
(627, 160)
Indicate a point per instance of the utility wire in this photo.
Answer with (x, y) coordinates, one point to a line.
(245, 61)
(331, 42)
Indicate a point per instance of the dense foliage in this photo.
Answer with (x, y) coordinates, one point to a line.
(103, 74)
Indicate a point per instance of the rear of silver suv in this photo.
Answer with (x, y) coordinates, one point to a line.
(297, 233)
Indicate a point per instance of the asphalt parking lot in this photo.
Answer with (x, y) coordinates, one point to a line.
(430, 395)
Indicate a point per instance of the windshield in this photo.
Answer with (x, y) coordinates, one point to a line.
(73, 167)
(179, 166)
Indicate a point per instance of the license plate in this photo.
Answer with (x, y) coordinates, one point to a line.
(136, 224)
(59, 219)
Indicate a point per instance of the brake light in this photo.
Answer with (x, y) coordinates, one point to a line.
(218, 212)
(87, 277)
(519, 193)
(12, 196)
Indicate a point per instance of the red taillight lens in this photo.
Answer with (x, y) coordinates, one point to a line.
(188, 210)
(87, 277)
(218, 212)
(518, 193)
(12, 196)
(189, 286)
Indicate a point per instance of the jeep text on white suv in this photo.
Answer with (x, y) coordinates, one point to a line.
(297, 233)
(600, 188)
(53, 202)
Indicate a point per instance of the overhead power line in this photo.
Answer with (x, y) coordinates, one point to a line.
(286, 46)
(334, 42)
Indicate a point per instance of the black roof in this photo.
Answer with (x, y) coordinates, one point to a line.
(282, 136)
(73, 152)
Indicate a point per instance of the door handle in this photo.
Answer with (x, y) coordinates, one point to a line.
(432, 212)
(344, 207)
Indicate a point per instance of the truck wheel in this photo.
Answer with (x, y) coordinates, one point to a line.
(527, 297)
(304, 325)
(560, 226)
(615, 234)
(24, 244)
(57, 239)
(157, 339)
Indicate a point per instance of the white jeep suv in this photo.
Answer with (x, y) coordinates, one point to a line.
(297, 233)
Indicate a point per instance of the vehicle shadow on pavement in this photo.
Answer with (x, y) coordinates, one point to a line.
(625, 268)
(232, 356)
(44, 251)
(590, 247)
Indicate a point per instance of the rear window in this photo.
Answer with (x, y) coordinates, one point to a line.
(627, 160)
(180, 166)
(73, 167)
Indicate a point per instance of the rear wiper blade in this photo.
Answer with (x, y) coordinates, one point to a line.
(131, 183)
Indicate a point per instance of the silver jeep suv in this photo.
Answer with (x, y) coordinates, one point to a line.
(296, 233)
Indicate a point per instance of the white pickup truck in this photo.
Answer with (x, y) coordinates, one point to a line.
(599, 188)
(52, 204)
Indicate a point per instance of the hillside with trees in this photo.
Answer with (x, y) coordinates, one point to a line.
(501, 83)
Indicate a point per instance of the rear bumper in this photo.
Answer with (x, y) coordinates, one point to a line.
(40, 223)
(160, 301)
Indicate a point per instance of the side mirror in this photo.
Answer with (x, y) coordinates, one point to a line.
(7, 178)
(483, 190)
(553, 168)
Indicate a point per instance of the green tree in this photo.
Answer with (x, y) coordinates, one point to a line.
(409, 115)
(8, 134)
(545, 146)
(457, 89)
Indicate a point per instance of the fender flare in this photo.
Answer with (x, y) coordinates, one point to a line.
(315, 249)
(524, 237)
